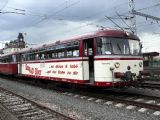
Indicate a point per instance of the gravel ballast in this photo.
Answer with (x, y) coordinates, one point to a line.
(80, 109)
(5, 114)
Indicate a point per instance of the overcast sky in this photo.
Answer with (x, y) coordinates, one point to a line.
(47, 20)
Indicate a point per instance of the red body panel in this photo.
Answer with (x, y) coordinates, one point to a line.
(9, 68)
(118, 58)
(111, 84)
(57, 79)
(86, 82)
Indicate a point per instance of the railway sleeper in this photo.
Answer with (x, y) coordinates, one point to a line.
(21, 109)
(9, 101)
(25, 111)
(16, 98)
(42, 117)
(21, 105)
(2, 96)
(13, 103)
(30, 114)
(8, 98)
(2, 99)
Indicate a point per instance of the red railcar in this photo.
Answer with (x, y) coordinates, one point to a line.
(9, 64)
(103, 58)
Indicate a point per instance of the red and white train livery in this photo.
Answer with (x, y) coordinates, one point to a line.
(103, 58)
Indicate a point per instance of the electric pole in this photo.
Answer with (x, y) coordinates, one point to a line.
(132, 17)
(133, 13)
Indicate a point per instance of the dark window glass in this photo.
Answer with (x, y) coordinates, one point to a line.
(121, 46)
(103, 46)
(53, 52)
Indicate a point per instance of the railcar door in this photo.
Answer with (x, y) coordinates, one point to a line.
(88, 52)
(20, 64)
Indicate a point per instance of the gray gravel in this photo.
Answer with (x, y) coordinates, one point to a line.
(78, 108)
(5, 114)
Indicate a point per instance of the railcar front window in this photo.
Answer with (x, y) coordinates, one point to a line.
(120, 46)
(107, 45)
(135, 47)
(103, 46)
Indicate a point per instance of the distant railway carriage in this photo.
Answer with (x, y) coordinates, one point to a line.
(8, 64)
(151, 59)
(103, 58)
(151, 63)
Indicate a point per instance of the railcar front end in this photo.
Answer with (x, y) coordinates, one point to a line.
(118, 61)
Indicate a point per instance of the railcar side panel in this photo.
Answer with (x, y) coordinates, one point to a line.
(9, 68)
(64, 70)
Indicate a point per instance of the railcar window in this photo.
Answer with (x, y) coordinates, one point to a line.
(32, 56)
(120, 46)
(135, 47)
(107, 45)
(76, 53)
(72, 49)
(60, 54)
(54, 55)
(23, 57)
(36, 57)
(90, 51)
(6, 59)
(13, 59)
(103, 46)
(42, 56)
(53, 52)
(69, 53)
(10, 58)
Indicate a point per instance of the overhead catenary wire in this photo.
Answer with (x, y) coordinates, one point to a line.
(93, 23)
(152, 6)
(114, 17)
(16, 10)
(13, 12)
(114, 23)
(4, 5)
(43, 15)
(125, 22)
(83, 25)
(66, 7)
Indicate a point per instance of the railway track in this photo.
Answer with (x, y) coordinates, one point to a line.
(139, 100)
(151, 85)
(25, 109)
(119, 98)
(144, 102)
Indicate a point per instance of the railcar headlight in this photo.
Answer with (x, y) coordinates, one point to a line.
(127, 33)
(140, 64)
(117, 64)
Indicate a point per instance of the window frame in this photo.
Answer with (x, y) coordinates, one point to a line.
(58, 50)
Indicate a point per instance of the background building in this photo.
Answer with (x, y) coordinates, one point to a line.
(14, 45)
